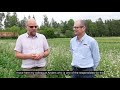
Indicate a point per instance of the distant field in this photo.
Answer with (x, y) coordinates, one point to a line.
(60, 58)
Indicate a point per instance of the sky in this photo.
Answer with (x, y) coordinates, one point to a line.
(65, 16)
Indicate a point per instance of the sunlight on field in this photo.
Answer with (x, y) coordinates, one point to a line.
(60, 58)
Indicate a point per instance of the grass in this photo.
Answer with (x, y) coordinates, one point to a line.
(60, 58)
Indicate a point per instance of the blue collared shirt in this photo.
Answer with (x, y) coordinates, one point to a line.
(85, 53)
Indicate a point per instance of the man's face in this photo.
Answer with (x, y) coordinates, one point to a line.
(32, 28)
(78, 28)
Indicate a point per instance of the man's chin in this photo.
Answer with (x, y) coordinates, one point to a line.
(33, 34)
(75, 34)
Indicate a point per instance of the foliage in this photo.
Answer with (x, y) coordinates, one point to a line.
(53, 29)
(60, 58)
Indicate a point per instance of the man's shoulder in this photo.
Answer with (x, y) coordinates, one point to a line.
(22, 35)
(90, 38)
(73, 38)
(40, 35)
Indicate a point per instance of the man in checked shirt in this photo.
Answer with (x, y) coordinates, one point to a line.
(32, 48)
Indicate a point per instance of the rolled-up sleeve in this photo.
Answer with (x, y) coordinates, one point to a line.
(46, 46)
(18, 46)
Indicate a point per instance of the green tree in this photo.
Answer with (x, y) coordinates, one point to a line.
(64, 26)
(46, 22)
(70, 24)
(29, 17)
(100, 27)
(54, 24)
(33, 16)
(2, 16)
(22, 22)
(91, 28)
(11, 20)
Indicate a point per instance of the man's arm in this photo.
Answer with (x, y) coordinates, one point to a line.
(24, 56)
(95, 54)
(42, 55)
(46, 53)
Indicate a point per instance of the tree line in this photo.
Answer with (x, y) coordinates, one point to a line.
(64, 29)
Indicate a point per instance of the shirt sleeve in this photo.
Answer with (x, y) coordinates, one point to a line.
(71, 46)
(95, 53)
(45, 42)
(18, 46)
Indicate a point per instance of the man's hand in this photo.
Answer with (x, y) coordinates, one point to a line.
(33, 56)
(37, 56)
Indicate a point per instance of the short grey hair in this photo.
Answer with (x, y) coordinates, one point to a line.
(83, 23)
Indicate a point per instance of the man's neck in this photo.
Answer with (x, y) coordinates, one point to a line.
(31, 35)
(80, 36)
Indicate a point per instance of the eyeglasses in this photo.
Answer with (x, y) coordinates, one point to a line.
(78, 27)
(33, 26)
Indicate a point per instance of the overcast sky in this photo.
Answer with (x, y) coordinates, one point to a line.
(65, 16)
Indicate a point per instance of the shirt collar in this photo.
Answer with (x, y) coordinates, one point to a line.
(29, 36)
(82, 37)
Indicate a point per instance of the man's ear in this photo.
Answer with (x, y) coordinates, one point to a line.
(84, 28)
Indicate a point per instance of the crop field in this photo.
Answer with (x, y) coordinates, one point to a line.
(60, 58)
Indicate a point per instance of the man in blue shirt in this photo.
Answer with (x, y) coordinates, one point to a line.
(85, 52)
